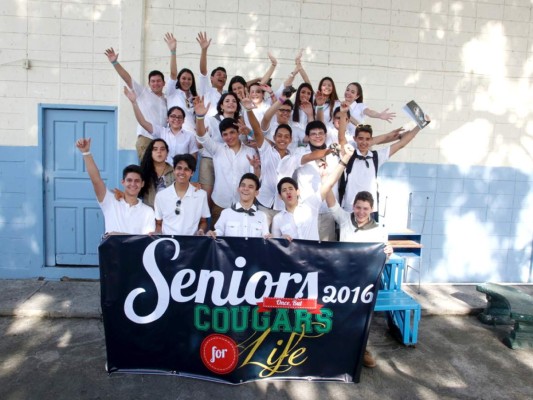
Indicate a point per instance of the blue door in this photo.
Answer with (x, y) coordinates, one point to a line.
(73, 220)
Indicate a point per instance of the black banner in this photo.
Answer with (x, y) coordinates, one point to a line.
(235, 309)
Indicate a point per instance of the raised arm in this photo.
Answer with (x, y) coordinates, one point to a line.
(343, 122)
(200, 111)
(385, 115)
(301, 69)
(84, 146)
(130, 94)
(113, 59)
(204, 43)
(329, 180)
(172, 45)
(388, 137)
(405, 139)
(270, 112)
(270, 70)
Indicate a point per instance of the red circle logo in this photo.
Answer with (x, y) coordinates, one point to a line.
(219, 354)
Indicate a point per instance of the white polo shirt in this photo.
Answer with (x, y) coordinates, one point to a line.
(348, 231)
(362, 178)
(240, 224)
(357, 111)
(193, 207)
(302, 224)
(153, 107)
(178, 98)
(309, 178)
(183, 142)
(229, 168)
(121, 217)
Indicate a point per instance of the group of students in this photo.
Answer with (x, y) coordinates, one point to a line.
(268, 166)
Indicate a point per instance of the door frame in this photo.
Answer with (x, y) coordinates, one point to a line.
(52, 271)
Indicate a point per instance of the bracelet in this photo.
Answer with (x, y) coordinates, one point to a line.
(87, 153)
(200, 117)
(114, 62)
(343, 163)
(319, 108)
(173, 52)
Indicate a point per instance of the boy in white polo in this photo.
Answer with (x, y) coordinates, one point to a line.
(127, 215)
(181, 209)
(243, 219)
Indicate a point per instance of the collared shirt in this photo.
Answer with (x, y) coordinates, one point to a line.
(300, 224)
(183, 142)
(193, 206)
(298, 135)
(357, 111)
(122, 217)
(153, 107)
(309, 177)
(178, 98)
(362, 178)
(233, 223)
(368, 233)
(211, 94)
(229, 168)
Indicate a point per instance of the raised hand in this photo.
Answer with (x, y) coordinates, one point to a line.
(344, 107)
(247, 103)
(307, 108)
(386, 115)
(171, 41)
(83, 145)
(242, 128)
(320, 98)
(273, 59)
(130, 94)
(298, 59)
(199, 107)
(254, 161)
(203, 41)
(348, 150)
(111, 55)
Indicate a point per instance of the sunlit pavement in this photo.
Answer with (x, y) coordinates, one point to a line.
(53, 347)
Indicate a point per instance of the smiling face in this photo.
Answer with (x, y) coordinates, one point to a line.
(364, 141)
(351, 94)
(182, 173)
(317, 137)
(327, 87)
(362, 210)
(289, 194)
(247, 192)
(229, 106)
(230, 136)
(159, 152)
(132, 184)
(282, 138)
(175, 119)
(284, 114)
(156, 84)
(185, 81)
(256, 94)
(218, 80)
(239, 89)
(305, 95)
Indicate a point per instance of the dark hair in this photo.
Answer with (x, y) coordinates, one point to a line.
(298, 102)
(338, 110)
(252, 177)
(193, 86)
(219, 104)
(359, 91)
(283, 126)
(227, 123)
(314, 125)
(132, 168)
(363, 128)
(156, 73)
(364, 196)
(289, 103)
(175, 108)
(188, 158)
(218, 69)
(333, 96)
(287, 180)
(236, 79)
(149, 174)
